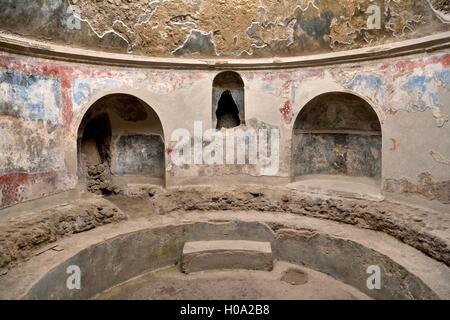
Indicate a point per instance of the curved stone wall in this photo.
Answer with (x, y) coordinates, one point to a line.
(424, 230)
(157, 77)
(129, 255)
(43, 103)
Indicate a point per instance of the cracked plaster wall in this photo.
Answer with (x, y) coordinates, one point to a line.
(212, 28)
(42, 103)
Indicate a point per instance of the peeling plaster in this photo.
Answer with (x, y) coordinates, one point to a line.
(420, 91)
(197, 42)
(425, 186)
(441, 9)
(438, 157)
(39, 132)
(234, 28)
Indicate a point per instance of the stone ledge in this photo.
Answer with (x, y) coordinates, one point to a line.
(31, 233)
(223, 254)
(424, 230)
(158, 243)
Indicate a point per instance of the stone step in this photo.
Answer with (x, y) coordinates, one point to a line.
(226, 254)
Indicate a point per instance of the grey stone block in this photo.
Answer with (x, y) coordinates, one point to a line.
(210, 255)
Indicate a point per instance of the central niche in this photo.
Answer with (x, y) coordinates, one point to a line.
(228, 101)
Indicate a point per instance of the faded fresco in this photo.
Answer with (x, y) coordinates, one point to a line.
(43, 102)
(235, 28)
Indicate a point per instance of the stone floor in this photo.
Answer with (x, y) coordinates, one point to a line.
(169, 284)
(32, 240)
(28, 229)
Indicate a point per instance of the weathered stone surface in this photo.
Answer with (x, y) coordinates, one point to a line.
(154, 245)
(232, 285)
(223, 254)
(425, 186)
(424, 230)
(441, 5)
(22, 236)
(139, 155)
(313, 249)
(99, 179)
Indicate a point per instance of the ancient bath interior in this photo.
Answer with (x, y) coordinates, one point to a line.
(295, 149)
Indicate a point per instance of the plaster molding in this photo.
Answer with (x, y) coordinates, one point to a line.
(19, 45)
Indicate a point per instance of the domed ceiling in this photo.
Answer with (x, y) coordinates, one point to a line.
(223, 28)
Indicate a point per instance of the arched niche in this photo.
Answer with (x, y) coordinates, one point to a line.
(337, 133)
(228, 110)
(120, 136)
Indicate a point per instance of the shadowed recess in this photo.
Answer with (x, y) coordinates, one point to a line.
(337, 134)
